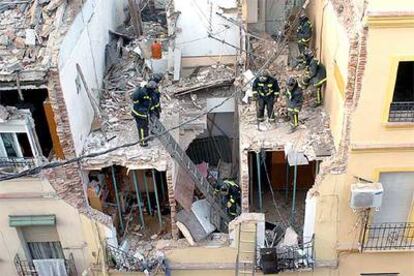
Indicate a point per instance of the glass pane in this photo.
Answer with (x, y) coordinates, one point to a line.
(9, 144)
(45, 250)
(25, 144)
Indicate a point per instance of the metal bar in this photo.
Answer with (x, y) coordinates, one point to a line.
(251, 193)
(156, 198)
(295, 176)
(117, 199)
(147, 193)
(287, 181)
(162, 185)
(141, 215)
(259, 181)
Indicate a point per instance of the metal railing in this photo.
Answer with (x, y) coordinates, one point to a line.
(291, 258)
(401, 112)
(296, 257)
(27, 268)
(13, 165)
(388, 236)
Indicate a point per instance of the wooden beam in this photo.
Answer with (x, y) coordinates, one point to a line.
(50, 118)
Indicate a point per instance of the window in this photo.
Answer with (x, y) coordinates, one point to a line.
(15, 145)
(42, 242)
(404, 86)
(402, 105)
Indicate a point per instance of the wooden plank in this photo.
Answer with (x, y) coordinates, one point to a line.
(135, 17)
(50, 118)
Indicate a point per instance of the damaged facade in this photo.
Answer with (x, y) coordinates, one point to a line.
(67, 75)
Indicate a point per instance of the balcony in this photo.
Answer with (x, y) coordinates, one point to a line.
(27, 268)
(388, 237)
(289, 258)
(14, 165)
(401, 112)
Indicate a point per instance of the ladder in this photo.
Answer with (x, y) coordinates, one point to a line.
(218, 216)
(246, 249)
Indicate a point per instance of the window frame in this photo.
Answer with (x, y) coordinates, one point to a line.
(392, 78)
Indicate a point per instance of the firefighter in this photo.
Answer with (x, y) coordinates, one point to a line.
(294, 95)
(304, 33)
(140, 111)
(154, 93)
(265, 91)
(315, 74)
(229, 192)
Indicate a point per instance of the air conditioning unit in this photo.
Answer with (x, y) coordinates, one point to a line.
(366, 195)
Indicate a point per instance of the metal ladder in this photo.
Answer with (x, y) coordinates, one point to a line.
(246, 249)
(218, 216)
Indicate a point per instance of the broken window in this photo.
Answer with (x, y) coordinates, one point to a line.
(137, 200)
(402, 105)
(32, 100)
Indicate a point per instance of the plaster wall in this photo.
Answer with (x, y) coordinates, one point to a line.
(76, 232)
(84, 44)
(331, 46)
(197, 19)
(370, 118)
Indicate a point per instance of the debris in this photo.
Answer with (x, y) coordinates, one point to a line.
(30, 37)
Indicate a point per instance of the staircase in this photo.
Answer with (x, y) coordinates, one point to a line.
(218, 217)
(246, 249)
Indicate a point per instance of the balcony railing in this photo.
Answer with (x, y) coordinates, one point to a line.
(401, 112)
(27, 268)
(293, 258)
(13, 165)
(388, 236)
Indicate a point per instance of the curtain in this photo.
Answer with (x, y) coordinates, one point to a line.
(45, 250)
(55, 267)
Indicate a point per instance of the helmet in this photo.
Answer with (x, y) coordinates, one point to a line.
(303, 17)
(264, 76)
(152, 84)
(157, 77)
(291, 82)
(308, 53)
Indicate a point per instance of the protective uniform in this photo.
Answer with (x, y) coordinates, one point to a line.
(266, 91)
(140, 111)
(304, 33)
(229, 192)
(154, 93)
(294, 96)
(315, 74)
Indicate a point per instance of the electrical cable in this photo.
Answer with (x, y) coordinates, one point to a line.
(55, 164)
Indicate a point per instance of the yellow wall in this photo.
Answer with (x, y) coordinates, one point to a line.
(331, 46)
(76, 232)
(370, 118)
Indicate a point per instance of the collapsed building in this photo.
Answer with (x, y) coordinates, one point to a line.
(66, 82)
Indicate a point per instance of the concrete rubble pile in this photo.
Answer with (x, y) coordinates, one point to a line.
(25, 30)
(313, 134)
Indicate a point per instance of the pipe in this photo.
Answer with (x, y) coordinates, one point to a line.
(287, 181)
(156, 198)
(295, 176)
(141, 215)
(259, 181)
(121, 223)
(251, 193)
(161, 175)
(147, 192)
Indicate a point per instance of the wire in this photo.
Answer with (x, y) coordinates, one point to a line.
(55, 164)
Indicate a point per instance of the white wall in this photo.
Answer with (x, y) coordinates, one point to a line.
(86, 46)
(193, 26)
